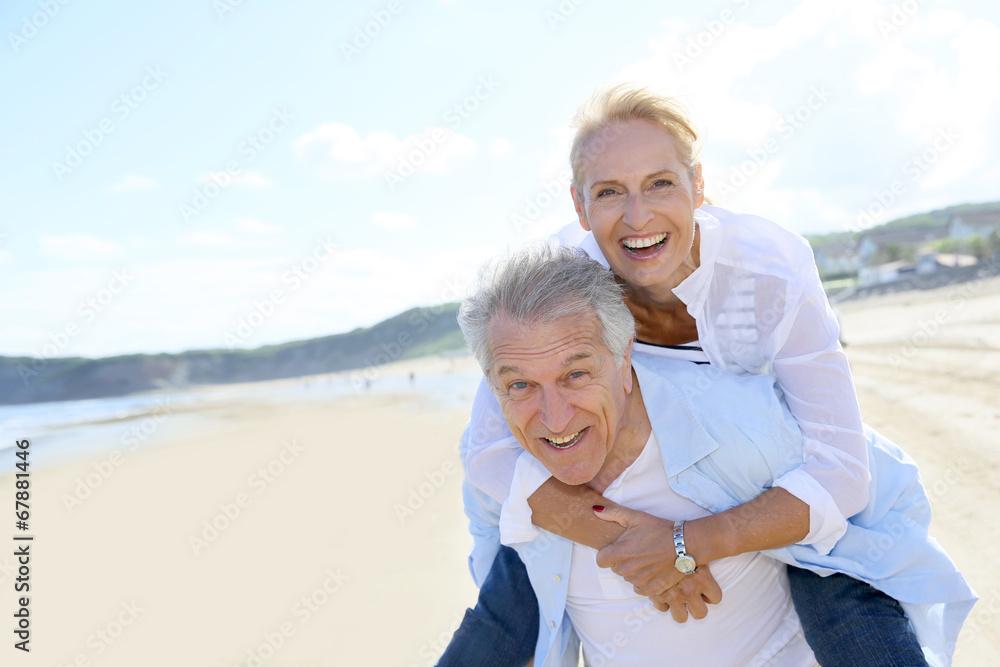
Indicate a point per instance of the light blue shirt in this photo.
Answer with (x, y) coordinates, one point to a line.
(724, 439)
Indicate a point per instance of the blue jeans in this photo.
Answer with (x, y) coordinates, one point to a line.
(503, 628)
(846, 622)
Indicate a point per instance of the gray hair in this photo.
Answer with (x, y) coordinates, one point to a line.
(542, 284)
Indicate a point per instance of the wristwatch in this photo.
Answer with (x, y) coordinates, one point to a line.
(685, 563)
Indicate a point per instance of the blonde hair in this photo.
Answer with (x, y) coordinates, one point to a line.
(596, 120)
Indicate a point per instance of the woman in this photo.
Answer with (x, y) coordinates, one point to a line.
(743, 294)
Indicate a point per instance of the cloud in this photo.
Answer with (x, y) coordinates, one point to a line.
(391, 220)
(891, 99)
(207, 239)
(79, 246)
(378, 292)
(254, 226)
(500, 148)
(337, 152)
(253, 179)
(134, 183)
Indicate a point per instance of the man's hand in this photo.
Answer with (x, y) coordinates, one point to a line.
(695, 592)
(644, 554)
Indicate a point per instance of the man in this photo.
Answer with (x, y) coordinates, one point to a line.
(552, 335)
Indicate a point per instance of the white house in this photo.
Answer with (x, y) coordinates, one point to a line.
(885, 273)
(837, 258)
(875, 240)
(966, 225)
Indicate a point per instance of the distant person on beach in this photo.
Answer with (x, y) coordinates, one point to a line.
(554, 337)
(741, 293)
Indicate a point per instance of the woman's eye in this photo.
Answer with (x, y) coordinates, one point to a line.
(662, 182)
(605, 193)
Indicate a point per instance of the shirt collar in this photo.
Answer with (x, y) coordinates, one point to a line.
(694, 289)
(683, 440)
(589, 245)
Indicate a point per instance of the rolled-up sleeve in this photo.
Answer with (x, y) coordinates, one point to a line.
(484, 522)
(492, 450)
(515, 516)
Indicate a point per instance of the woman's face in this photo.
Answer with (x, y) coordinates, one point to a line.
(638, 199)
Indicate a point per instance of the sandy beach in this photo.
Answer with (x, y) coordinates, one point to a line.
(927, 369)
(327, 534)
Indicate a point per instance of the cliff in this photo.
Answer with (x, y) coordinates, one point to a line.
(414, 333)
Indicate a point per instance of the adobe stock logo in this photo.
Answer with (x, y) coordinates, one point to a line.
(424, 147)
(38, 20)
(121, 109)
(363, 35)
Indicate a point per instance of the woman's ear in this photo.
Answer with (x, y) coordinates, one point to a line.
(699, 186)
(578, 205)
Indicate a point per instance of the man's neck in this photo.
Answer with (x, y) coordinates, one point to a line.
(632, 437)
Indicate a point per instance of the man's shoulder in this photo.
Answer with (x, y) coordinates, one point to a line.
(708, 392)
(702, 412)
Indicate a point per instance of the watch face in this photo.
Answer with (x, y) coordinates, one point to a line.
(685, 564)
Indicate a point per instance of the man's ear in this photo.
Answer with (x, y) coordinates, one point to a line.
(578, 205)
(626, 368)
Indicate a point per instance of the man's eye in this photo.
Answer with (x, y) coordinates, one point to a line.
(517, 386)
(575, 375)
(606, 192)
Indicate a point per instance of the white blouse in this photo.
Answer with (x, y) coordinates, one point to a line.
(760, 309)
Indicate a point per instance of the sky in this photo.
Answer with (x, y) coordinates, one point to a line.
(235, 173)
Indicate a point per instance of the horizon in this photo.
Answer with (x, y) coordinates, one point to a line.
(329, 169)
(444, 304)
(239, 349)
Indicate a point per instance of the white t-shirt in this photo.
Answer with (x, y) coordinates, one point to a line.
(755, 624)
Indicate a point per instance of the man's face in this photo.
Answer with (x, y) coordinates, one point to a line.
(561, 392)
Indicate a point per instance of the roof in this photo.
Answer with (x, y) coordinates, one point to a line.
(952, 260)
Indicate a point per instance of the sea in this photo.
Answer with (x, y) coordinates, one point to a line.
(64, 431)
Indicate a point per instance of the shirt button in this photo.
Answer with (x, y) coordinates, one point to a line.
(552, 624)
(556, 578)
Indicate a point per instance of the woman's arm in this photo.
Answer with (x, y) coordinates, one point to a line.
(639, 546)
(569, 511)
(815, 377)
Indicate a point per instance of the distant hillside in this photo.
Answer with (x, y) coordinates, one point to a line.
(931, 219)
(942, 215)
(414, 333)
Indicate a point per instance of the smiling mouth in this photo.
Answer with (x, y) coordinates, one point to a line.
(645, 247)
(568, 441)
